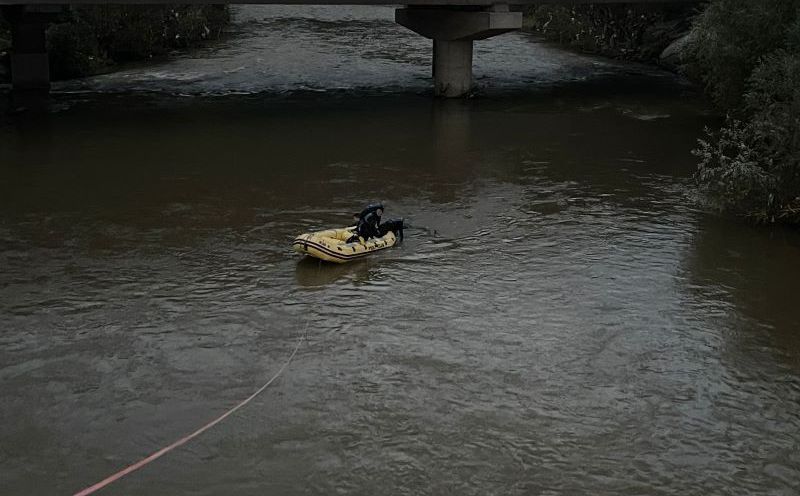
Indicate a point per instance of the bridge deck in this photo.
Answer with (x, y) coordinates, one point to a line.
(329, 2)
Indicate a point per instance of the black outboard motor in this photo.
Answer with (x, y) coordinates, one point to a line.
(393, 225)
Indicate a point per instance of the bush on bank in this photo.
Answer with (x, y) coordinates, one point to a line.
(629, 31)
(748, 54)
(94, 38)
(97, 37)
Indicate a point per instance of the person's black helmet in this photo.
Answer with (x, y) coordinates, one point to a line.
(370, 208)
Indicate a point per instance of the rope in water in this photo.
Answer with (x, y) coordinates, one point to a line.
(163, 451)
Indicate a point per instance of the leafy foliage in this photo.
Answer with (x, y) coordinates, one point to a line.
(752, 166)
(732, 172)
(74, 51)
(732, 36)
(620, 30)
(97, 36)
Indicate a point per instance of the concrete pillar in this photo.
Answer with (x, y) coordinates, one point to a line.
(452, 68)
(453, 31)
(30, 68)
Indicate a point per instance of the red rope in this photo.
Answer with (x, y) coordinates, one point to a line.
(163, 451)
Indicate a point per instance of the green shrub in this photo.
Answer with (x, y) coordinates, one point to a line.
(132, 32)
(732, 172)
(74, 51)
(620, 30)
(730, 38)
(129, 32)
(753, 167)
(97, 36)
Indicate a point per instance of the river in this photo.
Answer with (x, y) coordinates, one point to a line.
(563, 317)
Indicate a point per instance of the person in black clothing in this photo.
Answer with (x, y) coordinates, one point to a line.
(370, 226)
(369, 223)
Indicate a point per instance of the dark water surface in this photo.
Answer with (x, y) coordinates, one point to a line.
(561, 319)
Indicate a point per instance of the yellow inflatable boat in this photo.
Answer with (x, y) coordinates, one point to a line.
(332, 245)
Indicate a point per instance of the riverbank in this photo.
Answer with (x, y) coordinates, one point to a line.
(651, 34)
(95, 39)
(747, 56)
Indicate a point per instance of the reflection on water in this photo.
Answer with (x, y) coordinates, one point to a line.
(747, 268)
(451, 133)
(313, 273)
(560, 318)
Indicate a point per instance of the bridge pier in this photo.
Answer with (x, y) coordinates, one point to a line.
(30, 66)
(452, 67)
(453, 29)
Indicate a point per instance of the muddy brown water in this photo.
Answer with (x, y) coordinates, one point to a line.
(562, 317)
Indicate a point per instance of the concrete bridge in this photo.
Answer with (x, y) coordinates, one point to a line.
(453, 25)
